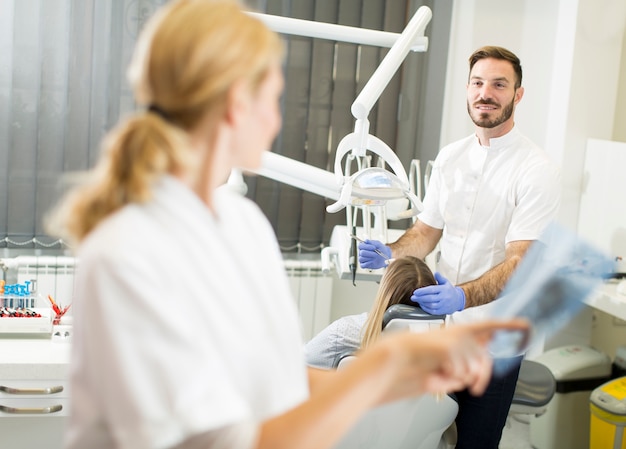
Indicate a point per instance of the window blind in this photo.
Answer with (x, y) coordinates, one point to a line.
(63, 87)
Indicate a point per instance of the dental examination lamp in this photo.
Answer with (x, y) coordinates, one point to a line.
(378, 193)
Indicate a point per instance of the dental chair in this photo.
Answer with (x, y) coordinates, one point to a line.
(427, 422)
(423, 422)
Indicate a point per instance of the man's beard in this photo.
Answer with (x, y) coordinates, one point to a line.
(484, 122)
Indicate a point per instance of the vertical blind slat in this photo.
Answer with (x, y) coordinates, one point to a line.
(51, 105)
(25, 101)
(7, 21)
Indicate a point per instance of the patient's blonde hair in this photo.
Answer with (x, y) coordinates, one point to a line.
(402, 277)
(187, 58)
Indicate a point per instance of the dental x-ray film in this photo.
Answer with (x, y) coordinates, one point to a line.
(548, 288)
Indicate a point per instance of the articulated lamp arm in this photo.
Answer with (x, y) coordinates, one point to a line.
(349, 189)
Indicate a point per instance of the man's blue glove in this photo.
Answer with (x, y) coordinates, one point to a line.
(441, 299)
(369, 258)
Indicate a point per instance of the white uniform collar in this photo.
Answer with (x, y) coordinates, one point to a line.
(498, 143)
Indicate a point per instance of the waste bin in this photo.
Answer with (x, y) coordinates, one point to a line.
(608, 415)
(577, 371)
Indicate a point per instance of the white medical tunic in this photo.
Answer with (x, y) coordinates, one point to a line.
(485, 197)
(184, 323)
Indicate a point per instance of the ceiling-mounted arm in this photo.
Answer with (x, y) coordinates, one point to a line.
(334, 32)
(412, 38)
(347, 188)
(370, 94)
(298, 174)
(359, 142)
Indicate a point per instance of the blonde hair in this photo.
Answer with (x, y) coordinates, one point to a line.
(187, 58)
(402, 277)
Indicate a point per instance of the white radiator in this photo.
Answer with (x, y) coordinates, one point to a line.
(48, 275)
(312, 291)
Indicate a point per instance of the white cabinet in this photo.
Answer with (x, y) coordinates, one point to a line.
(34, 395)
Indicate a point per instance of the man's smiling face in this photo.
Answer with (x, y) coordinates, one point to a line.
(491, 92)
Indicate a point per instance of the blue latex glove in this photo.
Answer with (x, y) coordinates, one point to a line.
(441, 299)
(369, 258)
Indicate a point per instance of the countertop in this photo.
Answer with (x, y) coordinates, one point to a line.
(607, 299)
(34, 358)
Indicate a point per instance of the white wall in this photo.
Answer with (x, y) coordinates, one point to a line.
(619, 128)
(520, 26)
(349, 299)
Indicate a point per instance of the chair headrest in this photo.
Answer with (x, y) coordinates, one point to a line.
(408, 312)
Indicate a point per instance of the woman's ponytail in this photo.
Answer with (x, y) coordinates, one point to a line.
(136, 153)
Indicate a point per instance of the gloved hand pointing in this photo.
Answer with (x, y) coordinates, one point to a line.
(369, 258)
(441, 299)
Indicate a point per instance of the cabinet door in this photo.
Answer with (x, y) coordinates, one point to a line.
(32, 432)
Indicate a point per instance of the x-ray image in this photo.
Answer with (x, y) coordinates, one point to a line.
(548, 288)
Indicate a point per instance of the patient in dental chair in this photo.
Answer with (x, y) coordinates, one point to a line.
(346, 335)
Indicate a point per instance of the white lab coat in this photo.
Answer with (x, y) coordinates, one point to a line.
(184, 323)
(485, 197)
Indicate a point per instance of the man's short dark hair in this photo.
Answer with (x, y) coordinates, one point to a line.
(501, 53)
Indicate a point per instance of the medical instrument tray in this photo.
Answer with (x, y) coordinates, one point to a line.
(25, 321)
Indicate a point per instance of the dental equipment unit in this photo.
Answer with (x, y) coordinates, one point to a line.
(377, 193)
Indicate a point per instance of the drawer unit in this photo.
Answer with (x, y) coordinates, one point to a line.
(34, 394)
(22, 398)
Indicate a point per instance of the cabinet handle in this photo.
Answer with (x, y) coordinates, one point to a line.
(33, 411)
(51, 390)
